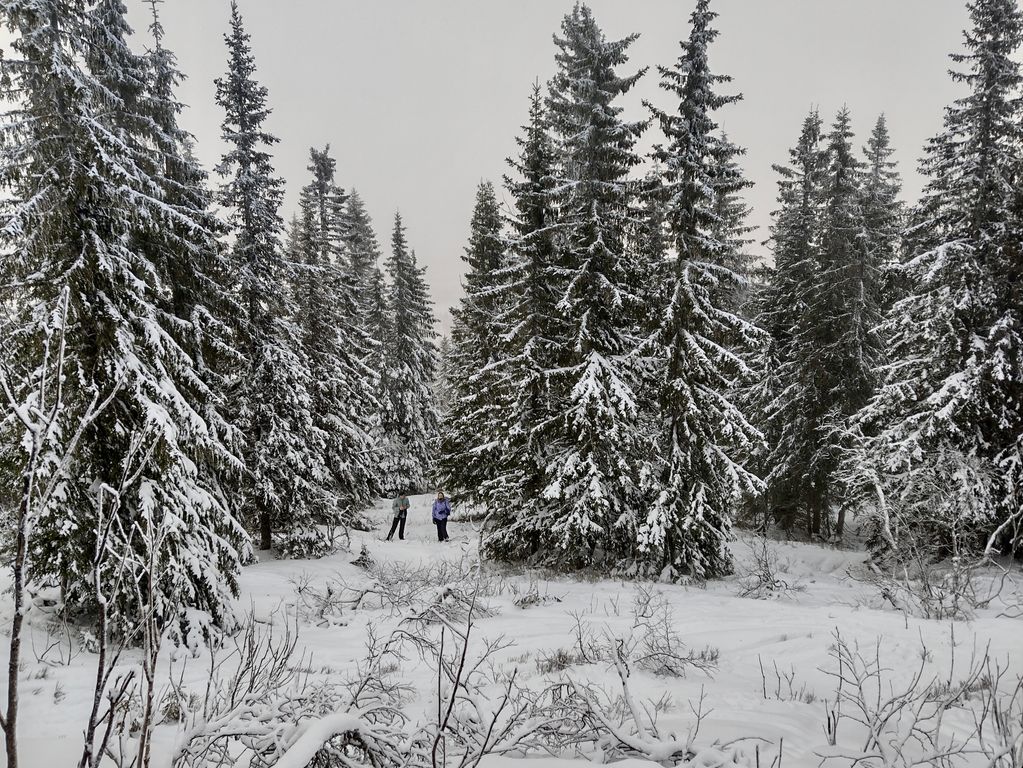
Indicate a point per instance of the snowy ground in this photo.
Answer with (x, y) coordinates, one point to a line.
(791, 632)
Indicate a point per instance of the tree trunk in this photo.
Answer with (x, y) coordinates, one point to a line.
(265, 532)
(10, 719)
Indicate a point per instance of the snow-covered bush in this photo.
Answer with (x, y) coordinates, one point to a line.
(607, 726)
(652, 643)
(971, 712)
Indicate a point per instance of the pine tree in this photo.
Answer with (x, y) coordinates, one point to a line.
(335, 344)
(952, 388)
(702, 476)
(471, 439)
(91, 215)
(532, 348)
(410, 421)
(287, 478)
(593, 475)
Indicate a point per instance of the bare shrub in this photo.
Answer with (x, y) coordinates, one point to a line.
(878, 721)
(478, 711)
(533, 597)
(762, 578)
(780, 685)
(657, 647)
(251, 699)
(921, 585)
(617, 725)
(320, 605)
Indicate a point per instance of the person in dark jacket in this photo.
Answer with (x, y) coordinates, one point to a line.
(441, 513)
(399, 507)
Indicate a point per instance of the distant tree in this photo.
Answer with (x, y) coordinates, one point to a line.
(410, 420)
(362, 251)
(443, 391)
(835, 237)
(335, 343)
(731, 227)
(782, 397)
(839, 348)
(883, 210)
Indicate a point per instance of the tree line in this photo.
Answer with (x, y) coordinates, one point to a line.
(629, 381)
(624, 381)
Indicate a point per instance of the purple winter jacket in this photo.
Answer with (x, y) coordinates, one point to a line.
(441, 509)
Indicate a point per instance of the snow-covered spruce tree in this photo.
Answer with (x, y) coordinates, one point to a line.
(730, 226)
(336, 346)
(90, 212)
(534, 342)
(198, 271)
(952, 387)
(702, 475)
(472, 434)
(838, 347)
(362, 252)
(287, 481)
(593, 471)
(443, 391)
(883, 210)
(409, 421)
(781, 393)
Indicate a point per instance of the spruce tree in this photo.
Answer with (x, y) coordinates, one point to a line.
(706, 436)
(92, 216)
(839, 343)
(952, 386)
(336, 346)
(472, 435)
(883, 211)
(730, 226)
(533, 346)
(197, 268)
(362, 254)
(409, 420)
(378, 325)
(443, 389)
(361, 249)
(593, 474)
(782, 394)
(286, 476)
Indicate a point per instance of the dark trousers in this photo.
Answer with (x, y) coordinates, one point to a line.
(442, 529)
(399, 524)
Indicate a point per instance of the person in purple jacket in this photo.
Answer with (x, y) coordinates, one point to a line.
(441, 513)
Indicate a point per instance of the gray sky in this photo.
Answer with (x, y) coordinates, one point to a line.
(421, 99)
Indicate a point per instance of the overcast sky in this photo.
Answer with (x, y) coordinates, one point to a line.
(421, 99)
